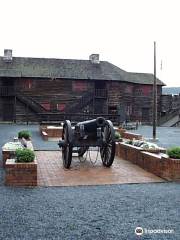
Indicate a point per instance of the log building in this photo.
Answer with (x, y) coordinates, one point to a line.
(42, 88)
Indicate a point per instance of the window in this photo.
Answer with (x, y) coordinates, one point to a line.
(138, 92)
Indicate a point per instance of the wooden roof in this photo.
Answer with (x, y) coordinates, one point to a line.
(70, 69)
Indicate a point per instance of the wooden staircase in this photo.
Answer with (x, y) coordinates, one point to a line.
(171, 119)
(30, 103)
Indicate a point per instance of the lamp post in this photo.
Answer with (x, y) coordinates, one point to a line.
(154, 116)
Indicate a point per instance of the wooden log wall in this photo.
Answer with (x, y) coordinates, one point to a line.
(132, 99)
(52, 94)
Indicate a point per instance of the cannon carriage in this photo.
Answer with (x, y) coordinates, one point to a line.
(93, 133)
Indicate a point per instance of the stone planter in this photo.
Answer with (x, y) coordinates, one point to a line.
(20, 174)
(128, 135)
(8, 153)
(171, 168)
(128, 152)
(152, 162)
(8, 150)
(48, 132)
(131, 136)
(157, 163)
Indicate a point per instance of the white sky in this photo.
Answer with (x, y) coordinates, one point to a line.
(121, 31)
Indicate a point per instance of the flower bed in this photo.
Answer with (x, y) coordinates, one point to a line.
(146, 146)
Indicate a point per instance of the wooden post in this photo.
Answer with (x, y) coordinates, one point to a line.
(154, 96)
(15, 102)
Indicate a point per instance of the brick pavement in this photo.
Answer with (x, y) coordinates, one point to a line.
(52, 173)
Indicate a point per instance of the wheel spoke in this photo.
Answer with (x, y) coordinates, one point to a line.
(67, 149)
(108, 151)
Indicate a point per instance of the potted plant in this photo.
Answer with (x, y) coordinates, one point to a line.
(24, 134)
(24, 137)
(171, 162)
(174, 152)
(24, 155)
(22, 170)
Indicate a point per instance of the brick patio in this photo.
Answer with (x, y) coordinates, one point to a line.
(52, 173)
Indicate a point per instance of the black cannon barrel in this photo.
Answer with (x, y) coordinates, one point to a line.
(91, 126)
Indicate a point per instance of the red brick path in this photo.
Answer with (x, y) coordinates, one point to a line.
(52, 173)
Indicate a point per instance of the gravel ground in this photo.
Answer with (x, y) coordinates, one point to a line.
(96, 212)
(90, 213)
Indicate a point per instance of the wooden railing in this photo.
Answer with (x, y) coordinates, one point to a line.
(74, 118)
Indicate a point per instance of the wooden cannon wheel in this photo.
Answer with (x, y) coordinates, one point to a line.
(108, 150)
(67, 148)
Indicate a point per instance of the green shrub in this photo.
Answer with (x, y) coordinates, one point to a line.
(24, 134)
(174, 152)
(24, 155)
(117, 135)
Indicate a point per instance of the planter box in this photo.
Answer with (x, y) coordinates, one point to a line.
(128, 135)
(162, 166)
(171, 168)
(128, 152)
(10, 154)
(7, 154)
(20, 174)
(131, 136)
(156, 163)
(50, 132)
(152, 162)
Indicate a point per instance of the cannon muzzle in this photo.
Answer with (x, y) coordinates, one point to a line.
(91, 126)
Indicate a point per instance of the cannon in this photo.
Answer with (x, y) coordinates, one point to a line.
(92, 133)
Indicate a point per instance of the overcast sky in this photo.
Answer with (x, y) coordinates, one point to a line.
(121, 31)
